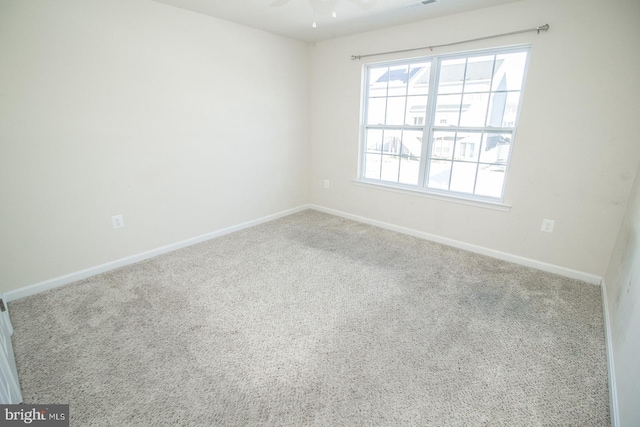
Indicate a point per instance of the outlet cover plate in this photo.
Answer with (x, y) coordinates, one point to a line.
(547, 225)
(117, 221)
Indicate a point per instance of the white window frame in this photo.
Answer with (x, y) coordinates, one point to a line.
(429, 127)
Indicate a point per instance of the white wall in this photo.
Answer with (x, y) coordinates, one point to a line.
(622, 285)
(575, 154)
(187, 124)
(183, 123)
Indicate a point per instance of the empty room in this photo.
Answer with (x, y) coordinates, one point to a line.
(319, 212)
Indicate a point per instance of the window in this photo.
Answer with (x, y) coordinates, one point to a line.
(443, 125)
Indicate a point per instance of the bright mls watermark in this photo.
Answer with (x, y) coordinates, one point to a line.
(34, 415)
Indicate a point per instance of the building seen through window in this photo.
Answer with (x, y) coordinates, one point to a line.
(443, 125)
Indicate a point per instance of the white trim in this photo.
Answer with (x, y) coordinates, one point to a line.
(92, 271)
(613, 390)
(528, 262)
(6, 313)
(430, 127)
(10, 392)
(450, 197)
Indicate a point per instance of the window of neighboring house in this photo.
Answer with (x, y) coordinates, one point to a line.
(444, 124)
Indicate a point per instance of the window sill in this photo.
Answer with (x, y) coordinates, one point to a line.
(498, 206)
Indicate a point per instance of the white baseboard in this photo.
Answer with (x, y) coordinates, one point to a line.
(516, 259)
(92, 271)
(613, 393)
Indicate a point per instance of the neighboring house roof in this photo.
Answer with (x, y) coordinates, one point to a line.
(398, 75)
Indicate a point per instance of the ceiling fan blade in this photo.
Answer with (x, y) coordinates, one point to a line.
(279, 3)
(365, 4)
(323, 7)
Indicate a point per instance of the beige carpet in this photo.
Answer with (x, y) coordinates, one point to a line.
(316, 320)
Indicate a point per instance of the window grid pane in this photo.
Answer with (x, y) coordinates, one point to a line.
(475, 155)
(395, 119)
(471, 121)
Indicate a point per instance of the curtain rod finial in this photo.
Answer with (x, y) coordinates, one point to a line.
(544, 27)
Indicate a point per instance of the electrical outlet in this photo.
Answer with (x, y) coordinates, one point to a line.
(547, 225)
(326, 183)
(117, 221)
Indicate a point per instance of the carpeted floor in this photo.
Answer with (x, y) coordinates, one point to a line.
(316, 320)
